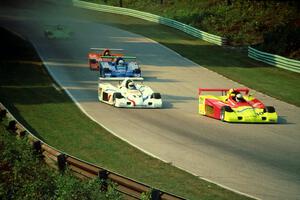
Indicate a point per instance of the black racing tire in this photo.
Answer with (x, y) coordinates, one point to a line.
(92, 68)
(269, 109)
(137, 71)
(156, 96)
(103, 71)
(222, 114)
(227, 108)
(100, 71)
(117, 95)
(224, 109)
(106, 70)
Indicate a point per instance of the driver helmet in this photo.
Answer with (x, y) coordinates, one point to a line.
(121, 62)
(239, 97)
(131, 86)
(106, 52)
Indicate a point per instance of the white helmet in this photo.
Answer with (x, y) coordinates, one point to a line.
(131, 86)
(121, 62)
(239, 97)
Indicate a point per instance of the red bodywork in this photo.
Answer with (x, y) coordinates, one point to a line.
(213, 106)
(94, 58)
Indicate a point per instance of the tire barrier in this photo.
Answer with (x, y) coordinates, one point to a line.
(275, 60)
(59, 160)
(221, 41)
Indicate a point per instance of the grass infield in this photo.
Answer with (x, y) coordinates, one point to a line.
(27, 90)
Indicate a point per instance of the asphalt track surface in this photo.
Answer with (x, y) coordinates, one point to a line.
(261, 160)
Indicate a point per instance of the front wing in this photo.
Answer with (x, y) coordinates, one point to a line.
(259, 117)
(120, 78)
(148, 103)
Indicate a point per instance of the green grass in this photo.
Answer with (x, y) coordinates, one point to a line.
(230, 62)
(24, 175)
(242, 22)
(26, 89)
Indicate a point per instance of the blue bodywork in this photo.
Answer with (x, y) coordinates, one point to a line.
(126, 69)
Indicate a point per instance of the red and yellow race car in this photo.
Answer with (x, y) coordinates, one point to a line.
(235, 105)
(96, 55)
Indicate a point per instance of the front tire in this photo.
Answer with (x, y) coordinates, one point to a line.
(156, 96)
(117, 95)
(222, 115)
(137, 71)
(224, 109)
(269, 109)
(99, 94)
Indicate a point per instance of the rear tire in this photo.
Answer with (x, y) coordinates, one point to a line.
(156, 96)
(269, 109)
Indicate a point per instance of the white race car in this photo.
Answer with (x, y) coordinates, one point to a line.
(129, 94)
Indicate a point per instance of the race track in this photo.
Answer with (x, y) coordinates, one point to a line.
(257, 159)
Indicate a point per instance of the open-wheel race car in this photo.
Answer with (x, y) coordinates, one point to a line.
(58, 32)
(119, 68)
(235, 105)
(128, 94)
(95, 56)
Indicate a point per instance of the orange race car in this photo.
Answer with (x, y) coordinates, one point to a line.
(96, 55)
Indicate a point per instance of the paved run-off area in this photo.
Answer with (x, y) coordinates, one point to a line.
(257, 159)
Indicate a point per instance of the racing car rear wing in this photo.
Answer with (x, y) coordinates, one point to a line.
(102, 49)
(120, 78)
(125, 57)
(224, 91)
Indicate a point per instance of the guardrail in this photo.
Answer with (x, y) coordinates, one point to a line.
(154, 18)
(59, 160)
(275, 60)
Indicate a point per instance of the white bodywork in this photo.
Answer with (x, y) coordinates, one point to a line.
(120, 96)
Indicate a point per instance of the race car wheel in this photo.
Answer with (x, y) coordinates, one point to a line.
(156, 96)
(117, 95)
(222, 114)
(106, 70)
(100, 71)
(224, 109)
(227, 108)
(269, 109)
(137, 71)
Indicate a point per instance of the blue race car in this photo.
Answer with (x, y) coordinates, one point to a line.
(118, 68)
